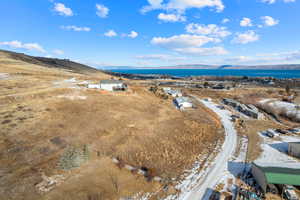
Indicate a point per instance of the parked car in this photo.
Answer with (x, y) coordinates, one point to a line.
(273, 131)
(248, 195)
(268, 133)
(235, 116)
(281, 131)
(294, 130)
(289, 193)
(221, 107)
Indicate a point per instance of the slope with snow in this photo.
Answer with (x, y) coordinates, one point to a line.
(200, 185)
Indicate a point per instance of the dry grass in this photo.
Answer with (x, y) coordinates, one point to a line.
(141, 129)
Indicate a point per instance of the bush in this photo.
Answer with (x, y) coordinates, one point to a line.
(73, 157)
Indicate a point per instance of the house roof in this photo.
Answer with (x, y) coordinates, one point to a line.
(294, 143)
(110, 81)
(183, 100)
(280, 173)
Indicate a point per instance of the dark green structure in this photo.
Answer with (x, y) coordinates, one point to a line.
(280, 173)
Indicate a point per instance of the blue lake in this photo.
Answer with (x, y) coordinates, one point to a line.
(215, 72)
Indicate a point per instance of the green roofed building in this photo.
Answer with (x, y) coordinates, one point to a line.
(279, 173)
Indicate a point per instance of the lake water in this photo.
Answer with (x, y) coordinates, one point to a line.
(215, 72)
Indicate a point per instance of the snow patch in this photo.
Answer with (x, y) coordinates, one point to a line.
(276, 151)
(197, 185)
(4, 76)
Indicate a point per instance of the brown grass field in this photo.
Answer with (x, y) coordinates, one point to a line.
(41, 116)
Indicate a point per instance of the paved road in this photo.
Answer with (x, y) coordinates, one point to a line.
(216, 171)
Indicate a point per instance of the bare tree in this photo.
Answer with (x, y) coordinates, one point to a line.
(287, 89)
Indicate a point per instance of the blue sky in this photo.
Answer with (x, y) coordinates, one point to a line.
(154, 32)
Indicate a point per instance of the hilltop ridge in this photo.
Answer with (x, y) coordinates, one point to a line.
(51, 62)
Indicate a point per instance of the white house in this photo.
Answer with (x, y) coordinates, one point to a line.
(111, 85)
(183, 102)
(94, 86)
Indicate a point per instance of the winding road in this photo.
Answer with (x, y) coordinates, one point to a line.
(218, 167)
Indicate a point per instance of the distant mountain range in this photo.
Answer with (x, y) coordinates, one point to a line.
(201, 66)
(265, 67)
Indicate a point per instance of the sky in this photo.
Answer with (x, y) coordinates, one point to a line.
(152, 33)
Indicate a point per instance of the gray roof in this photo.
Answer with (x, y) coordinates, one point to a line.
(183, 99)
(294, 143)
(110, 81)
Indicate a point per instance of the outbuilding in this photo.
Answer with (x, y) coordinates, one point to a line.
(174, 93)
(94, 86)
(183, 102)
(294, 149)
(276, 173)
(112, 85)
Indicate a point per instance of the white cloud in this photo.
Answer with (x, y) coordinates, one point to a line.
(133, 34)
(274, 1)
(58, 52)
(189, 44)
(181, 41)
(225, 20)
(182, 5)
(28, 46)
(163, 57)
(269, 21)
(199, 51)
(292, 55)
(246, 22)
(238, 59)
(110, 33)
(102, 11)
(61, 9)
(268, 1)
(171, 17)
(76, 28)
(282, 57)
(212, 30)
(246, 37)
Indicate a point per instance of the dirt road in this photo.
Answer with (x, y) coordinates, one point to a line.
(216, 170)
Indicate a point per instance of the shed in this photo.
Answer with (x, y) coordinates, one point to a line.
(175, 93)
(276, 173)
(112, 85)
(183, 102)
(172, 92)
(294, 149)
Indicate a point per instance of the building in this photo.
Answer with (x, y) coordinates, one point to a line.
(294, 149)
(278, 173)
(112, 85)
(230, 102)
(183, 102)
(94, 86)
(249, 110)
(173, 93)
(219, 86)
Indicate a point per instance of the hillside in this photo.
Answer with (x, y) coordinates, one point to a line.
(50, 62)
(57, 137)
